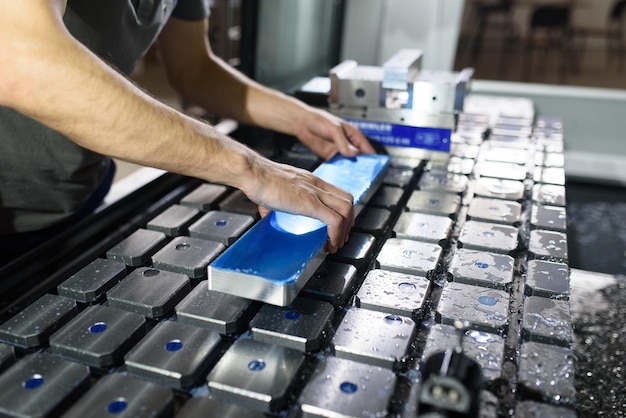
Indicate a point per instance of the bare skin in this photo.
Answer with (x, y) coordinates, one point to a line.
(49, 76)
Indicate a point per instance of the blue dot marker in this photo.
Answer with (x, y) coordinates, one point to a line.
(348, 387)
(221, 223)
(488, 300)
(34, 382)
(481, 265)
(117, 406)
(393, 320)
(98, 327)
(293, 315)
(173, 346)
(256, 365)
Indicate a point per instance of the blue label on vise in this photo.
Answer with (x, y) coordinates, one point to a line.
(390, 134)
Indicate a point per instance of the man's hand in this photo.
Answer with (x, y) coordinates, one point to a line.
(326, 134)
(285, 188)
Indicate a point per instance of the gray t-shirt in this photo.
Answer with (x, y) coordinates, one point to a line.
(45, 177)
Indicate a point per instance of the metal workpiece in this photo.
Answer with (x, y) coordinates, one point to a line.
(547, 279)
(356, 251)
(394, 293)
(532, 409)
(399, 177)
(485, 309)
(209, 407)
(223, 227)
(495, 210)
(482, 268)
(549, 194)
(548, 245)
(32, 326)
(550, 159)
(504, 155)
(487, 349)
(372, 221)
(354, 85)
(90, 283)
(204, 308)
(187, 255)
(399, 161)
(387, 197)
(453, 164)
(255, 375)
(238, 202)
(99, 336)
(550, 175)
(464, 150)
(434, 203)
(332, 282)
(408, 256)
(548, 217)
(344, 388)
(372, 337)
(174, 220)
(7, 356)
(486, 236)
(505, 171)
(547, 321)
(150, 292)
(116, 394)
(204, 197)
(514, 142)
(422, 227)
(443, 182)
(302, 325)
(547, 372)
(402, 68)
(136, 249)
(499, 188)
(273, 261)
(173, 354)
(38, 384)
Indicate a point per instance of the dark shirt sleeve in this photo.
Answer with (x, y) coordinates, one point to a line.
(192, 9)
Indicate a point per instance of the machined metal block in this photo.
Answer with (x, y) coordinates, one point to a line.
(485, 236)
(120, 395)
(504, 155)
(174, 220)
(187, 255)
(7, 356)
(212, 408)
(300, 326)
(434, 203)
(32, 326)
(443, 182)
(550, 175)
(408, 256)
(547, 371)
(387, 197)
(548, 217)
(223, 227)
(547, 321)
(548, 279)
(237, 202)
(274, 260)
(550, 159)
(204, 308)
(394, 293)
(454, 165)
(506, 171)
(341, 387)
(548, 245)
(499, 188)
(205, 197)
(423, 227)
(485, 309)
(91, 283)
(372, 221)
(371, 337)
(173, 354)
(481, 268)
(38, 384)
(255, 375)
(495, 210)
(136, 249)
(149, 292)
(464, 150)
(485, 348)
(332, 282)
(399, 177)
(99, 336)
(356, 251)
(549, 194)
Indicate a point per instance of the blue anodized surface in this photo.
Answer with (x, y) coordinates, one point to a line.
(279, 247)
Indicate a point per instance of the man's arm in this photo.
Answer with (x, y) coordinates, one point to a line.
(49, 76)
(204, 79)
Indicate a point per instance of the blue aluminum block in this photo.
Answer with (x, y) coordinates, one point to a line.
(276, 257)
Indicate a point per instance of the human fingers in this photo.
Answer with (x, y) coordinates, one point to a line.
(356, 137)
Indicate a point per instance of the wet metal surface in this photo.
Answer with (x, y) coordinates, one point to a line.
(407, 256)
(488, 236)
(435, 203)
(174, 220)
(482, 268)
(136, 249)
(395, 293)
(204, 197)
(187, 255)
(423, 227)
(332, 282)
(499, 188)
(91, 282)
(494, 210)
